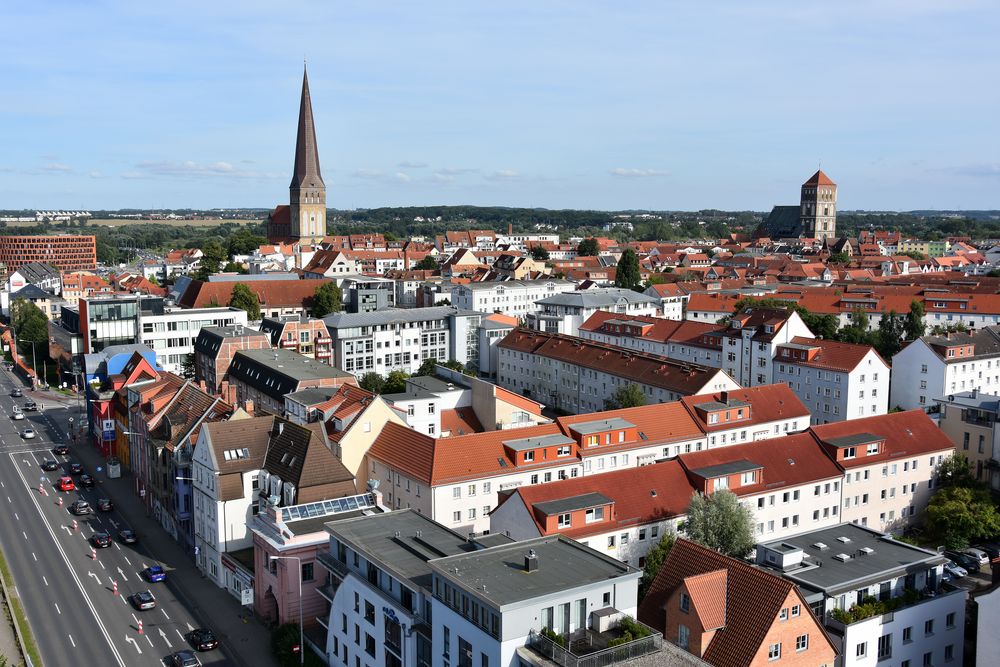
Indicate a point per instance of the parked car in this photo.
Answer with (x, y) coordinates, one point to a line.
(154, 574)
(80, 507)
(16, 393)
(203, 639)
(954, 571)
(143, 600)
(965, 560)
(991, 550)
(978, 554)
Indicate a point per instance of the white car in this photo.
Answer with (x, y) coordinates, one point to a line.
(28, 433)
(978, 554)
(17, 415)
(954, 570)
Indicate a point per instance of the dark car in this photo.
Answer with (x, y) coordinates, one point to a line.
(16, 393)
(101, 539)
(61, 450)
(184, 659)
(50, 465)
(86, 480)
(75, 468)
(143, 600)
(154, 574)
(30, 406)
(968, 562)
(105, 504)
(127, 536)
(80, 507)
(203, 639)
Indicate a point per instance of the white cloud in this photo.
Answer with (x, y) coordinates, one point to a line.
(57, 167)
(443, 178)
(367, 173)
(406, 164)
(192, 169)
(504, 175)
(96, 174)
(402, 178)
(456, 171)
(983, 170)
(637, 173)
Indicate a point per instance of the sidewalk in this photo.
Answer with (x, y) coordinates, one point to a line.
(244, 639)
(8, 642)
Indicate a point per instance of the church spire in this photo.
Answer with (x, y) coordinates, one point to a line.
(307, 173)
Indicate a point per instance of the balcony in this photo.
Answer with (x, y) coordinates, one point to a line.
(838, 621)
(588, 648)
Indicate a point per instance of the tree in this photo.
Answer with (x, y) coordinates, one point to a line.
(427, 263)
(654, 560)
(890, 333)
(213, 255)
(245, 299)
(839, 258)
(625, 396)
(539, 253)
(283, 642)
(913, 254)
(956, 470)
(720, 521)
(373, 382)
(822, 326)
(30, 326)
(941, 330)
(956, 515)
(395, 383)
(428, 368)
(914, 326)
(234, 267)
(326, 300)
(188, 366)
(244, 242)
(627, 272)
(588, 248)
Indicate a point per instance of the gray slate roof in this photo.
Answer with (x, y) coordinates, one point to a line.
(391, 316)
(596, 298)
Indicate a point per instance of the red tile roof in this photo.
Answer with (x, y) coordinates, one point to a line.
(460, 421)
(272, 293)
(906, 434)
(753, 598)
(819, 178)
(526, 404)
(768, 403)
(832, 354)
(708, 597)
(659, 422)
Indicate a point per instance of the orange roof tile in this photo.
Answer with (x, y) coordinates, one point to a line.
(819, 178)
(708, 597)
(768, 403)
(909, 433)
(460, 421)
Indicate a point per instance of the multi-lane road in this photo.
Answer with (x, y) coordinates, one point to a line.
(67, 587)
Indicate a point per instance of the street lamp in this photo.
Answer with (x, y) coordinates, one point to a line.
(302, 647)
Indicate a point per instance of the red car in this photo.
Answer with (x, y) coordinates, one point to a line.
(66, 484)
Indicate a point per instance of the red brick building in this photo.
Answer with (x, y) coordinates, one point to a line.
(64, 252)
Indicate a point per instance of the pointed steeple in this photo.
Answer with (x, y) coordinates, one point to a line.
(307, 173)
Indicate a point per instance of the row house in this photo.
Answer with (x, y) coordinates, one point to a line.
(306, 335)
(83, 284)
(107, 373)
(578, 375)
(215, 347)
(788, 485)
(278, 298)
(934, 367)
(969, 419)
(332, 263)
(516, 298)
(701, 601)
(565, 313)
(264, 377)
(457, 480)
(243, 466)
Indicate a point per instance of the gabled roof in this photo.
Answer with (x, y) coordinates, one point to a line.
(832, 354)
(271, 293)
(708, 597)
(753, 598)
(659, 422)
(299, 454)
(906, 434)
(819, 178)
(768, 403)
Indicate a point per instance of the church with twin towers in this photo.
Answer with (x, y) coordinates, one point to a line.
(303, 220)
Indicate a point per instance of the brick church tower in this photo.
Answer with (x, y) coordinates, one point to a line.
(305, 217)
(818, 207)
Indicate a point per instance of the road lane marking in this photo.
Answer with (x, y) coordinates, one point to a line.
(190, 627)
(117, 547)
(150, 641)
(57, 608)
(122, 572)
(96, 578)
(16, 517)
(71, 640)
(34, 556)
(179, 634)
(164, 612)
(102, 564)
(46, 581)
(134, 643)
(123, 599)
(164, 635)
(127, 560)
(135, 619)
(25, 535)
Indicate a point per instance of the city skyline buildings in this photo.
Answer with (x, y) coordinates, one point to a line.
(559, 105)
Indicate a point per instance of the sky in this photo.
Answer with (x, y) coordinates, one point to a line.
(589, 105)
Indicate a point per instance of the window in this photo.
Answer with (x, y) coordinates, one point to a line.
(472, 489)
(929, 627)
(369, 612)
(783, 614)
(456, 516)
(611, 541)
(796, 610)
(456, 492)
(949, 620)
(907, 634)
(307, 572)
(685, 603)
(802, 642)
(949, 652)
(564, 520)
(928, 662)
(861, 650)
(595, 514)
(472, 513)
(683, 635)
(529, 457)
(885, 646)
(774, 651)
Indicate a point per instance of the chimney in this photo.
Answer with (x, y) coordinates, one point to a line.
(510, 229)
(724, 397)
(975, 392)
(248, 406)
(530, 561)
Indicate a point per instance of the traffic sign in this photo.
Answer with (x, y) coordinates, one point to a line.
(246, 596)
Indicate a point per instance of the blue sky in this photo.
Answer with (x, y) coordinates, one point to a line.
(661, 105)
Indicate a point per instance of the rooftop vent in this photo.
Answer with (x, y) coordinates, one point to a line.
(531, 561)
(819, 545)
(867, 550)
(843, 540)
(652, 492)
(843, 558)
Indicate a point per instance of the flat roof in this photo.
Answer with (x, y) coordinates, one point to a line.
(600, 425)
(872, 557)
(854, 440)
(580, 502)
(311, 395)
(497, 574)
(731, 468)
(712, 406)
(292, 364)
(552, 440)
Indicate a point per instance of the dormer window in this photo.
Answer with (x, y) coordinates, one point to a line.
(849, 452)
(749, 478)
(872, 449)
(594, 514)
(720, 484)
(529, 457)
(713, 418)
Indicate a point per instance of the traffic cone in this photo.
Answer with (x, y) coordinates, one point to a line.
(74, 525)
(93, 553)
(114, 588)
(140, 626)
(60, 501)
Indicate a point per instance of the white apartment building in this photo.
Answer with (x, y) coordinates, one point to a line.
(836, 381)
(745, 348)
(890, 465)
(402, 339)
(516, 298)
(521, 241)
(564, 313)
(576, 375)
(933, 367)
(172, 334)
(839, 567)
